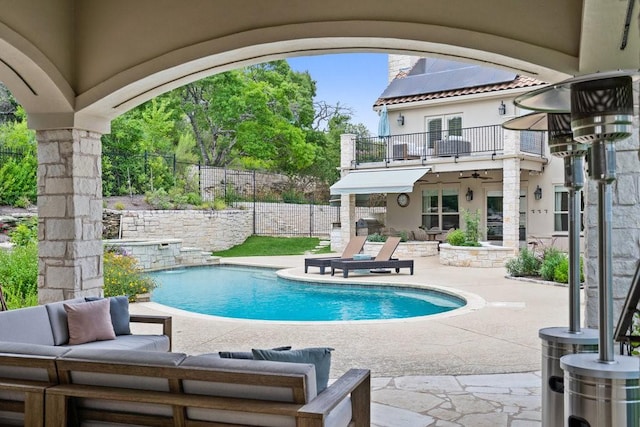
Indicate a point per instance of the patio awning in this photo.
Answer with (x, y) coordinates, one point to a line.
(379, 181)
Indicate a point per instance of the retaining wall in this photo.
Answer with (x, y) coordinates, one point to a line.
(208, 230)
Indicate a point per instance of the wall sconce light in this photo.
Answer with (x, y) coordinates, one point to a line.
(469, 194)
(502, 109)
(400, 120)
(538, 193)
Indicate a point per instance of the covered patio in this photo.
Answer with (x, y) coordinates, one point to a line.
(75, 66)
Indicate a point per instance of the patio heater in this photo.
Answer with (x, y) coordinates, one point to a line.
(602, 390)
(560, 341)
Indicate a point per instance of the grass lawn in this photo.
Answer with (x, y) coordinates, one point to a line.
(264, 245)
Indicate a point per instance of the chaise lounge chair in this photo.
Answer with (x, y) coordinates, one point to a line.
(354, 246)
(382, 260)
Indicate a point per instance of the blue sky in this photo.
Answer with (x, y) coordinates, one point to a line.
(353, 79)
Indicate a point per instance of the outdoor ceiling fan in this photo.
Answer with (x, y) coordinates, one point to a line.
(474, 175)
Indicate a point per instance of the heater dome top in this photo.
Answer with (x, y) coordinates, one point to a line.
(556, 98)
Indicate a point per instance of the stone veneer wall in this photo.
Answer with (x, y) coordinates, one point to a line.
(161, 254)
(208, 230)
(405, 250)
(625, 224)
(486, 256)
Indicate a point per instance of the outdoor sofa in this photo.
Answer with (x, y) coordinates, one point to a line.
(134, 380)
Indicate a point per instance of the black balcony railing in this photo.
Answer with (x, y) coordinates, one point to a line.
(487, 140)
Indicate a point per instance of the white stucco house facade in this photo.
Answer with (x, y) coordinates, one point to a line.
(445, 152)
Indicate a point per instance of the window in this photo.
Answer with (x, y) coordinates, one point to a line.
(439, 127)
(440, 209)
(434, 131)
(454, 125)
(561, 209)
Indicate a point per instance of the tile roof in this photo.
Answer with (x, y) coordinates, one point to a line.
(518, 82)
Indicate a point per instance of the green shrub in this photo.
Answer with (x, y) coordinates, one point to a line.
(123, 276)
(472, 227)
(18, 180)
(293, 196)
(404, 236)
(25, 233)
(375, 237)
(159, 199)
(119, 206)
(194, 199)
(561, 273)
(219, 204)
(456, 238)
(525, 264)
(551, 258)
(19, 276)
(23, 202)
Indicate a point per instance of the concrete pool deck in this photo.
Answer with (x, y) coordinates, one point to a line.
(475, 366)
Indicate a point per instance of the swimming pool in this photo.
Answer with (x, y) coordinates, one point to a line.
(259, 294)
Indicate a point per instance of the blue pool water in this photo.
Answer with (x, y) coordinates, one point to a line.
(250, 293)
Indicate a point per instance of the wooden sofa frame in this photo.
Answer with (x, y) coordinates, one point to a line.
(32, 406)
(165, 321)
(62, 408)
(32, 392)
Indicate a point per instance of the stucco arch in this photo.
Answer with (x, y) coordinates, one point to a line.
(92, 60)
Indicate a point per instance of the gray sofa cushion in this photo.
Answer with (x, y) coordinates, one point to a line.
(246, 354)
(58, 320)
(25, 371)
(26, 325)
(265, 392)
(31, 349)
(119, 311)
(320, 357)
(126, 356)
(244, 391)
(129, 342)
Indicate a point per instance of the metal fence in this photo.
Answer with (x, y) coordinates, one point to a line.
(278, 208)
(459, 142)
(6, 154)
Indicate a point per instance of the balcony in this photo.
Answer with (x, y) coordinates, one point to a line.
(480, 142)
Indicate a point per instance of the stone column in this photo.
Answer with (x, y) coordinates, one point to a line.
(511, 191)
(625, 234)
(347, 201)
(70, 214)
(511, 203)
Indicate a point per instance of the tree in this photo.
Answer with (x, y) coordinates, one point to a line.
(257, 114)
(138, 153)
(9, 106)
(18, 173)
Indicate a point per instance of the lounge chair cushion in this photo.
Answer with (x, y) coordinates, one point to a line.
(119, 311)
(89, 321)
(420, 235)
(320, 357)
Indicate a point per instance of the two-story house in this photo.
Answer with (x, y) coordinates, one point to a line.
(442, 150)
